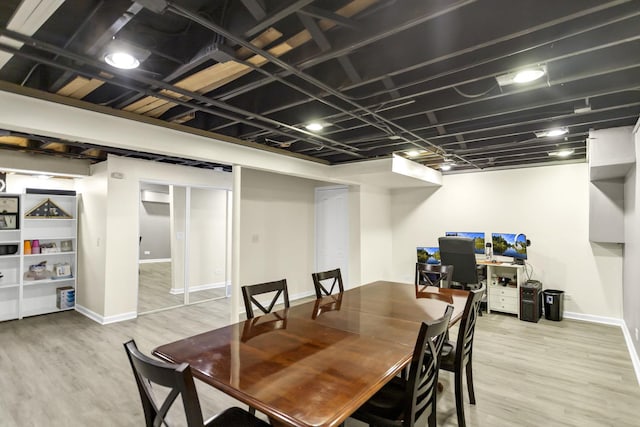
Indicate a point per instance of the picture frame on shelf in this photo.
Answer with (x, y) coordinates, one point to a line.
(66, 246)
(9, 208)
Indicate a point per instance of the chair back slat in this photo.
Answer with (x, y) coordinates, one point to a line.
(464, 345)
(332, 275)
(433, 275)
(425, 365)
(278, 287)
(177, 378)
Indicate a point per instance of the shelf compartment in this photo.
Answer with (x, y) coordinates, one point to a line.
(41, 299)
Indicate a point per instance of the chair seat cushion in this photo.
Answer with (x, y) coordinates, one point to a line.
(448, 356)
(387, 403)
(235, 417)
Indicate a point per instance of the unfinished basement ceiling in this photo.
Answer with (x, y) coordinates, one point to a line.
(383, 77)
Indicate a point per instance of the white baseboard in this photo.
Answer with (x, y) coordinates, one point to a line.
(301, 295)
(632, 350)
(151, 261)
(199, 288)
(105, 320)
(593, 319)
(635, 361)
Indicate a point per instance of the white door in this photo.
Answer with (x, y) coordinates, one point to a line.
(332, 230)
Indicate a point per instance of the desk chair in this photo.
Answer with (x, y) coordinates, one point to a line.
(401, 402)
(179, 381)
(456, 356)
(250, 291)
(433, 275)
(459, 252)
(334, 275)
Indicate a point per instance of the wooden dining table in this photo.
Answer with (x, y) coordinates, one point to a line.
(315, 363)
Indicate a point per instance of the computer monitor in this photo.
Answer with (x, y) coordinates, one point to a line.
(510, 245)
(478, 238)
(428, 255)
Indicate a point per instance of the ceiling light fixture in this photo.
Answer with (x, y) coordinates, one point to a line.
(566, 152)
(522, 76)
(526, 76)
(126, 56)
(314, 127)
(446, 166)
(122, 60)
(414, 153)
(552, 132)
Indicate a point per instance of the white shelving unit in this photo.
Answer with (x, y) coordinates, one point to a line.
(22, 293)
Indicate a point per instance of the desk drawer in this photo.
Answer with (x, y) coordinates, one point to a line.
(502, 303)
(504, 291)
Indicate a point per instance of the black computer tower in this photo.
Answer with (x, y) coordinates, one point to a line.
(531, 301)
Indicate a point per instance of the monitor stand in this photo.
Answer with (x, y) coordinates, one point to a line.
(518, 262)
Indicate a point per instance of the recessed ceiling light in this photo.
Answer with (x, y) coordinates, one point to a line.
(552, 132)
(414, 153)
(445, 167)
(122, 60)
(562, 153)
(529, 75)
(523, 76)
(315, 126)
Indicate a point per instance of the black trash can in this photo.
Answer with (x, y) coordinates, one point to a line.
(553, 304)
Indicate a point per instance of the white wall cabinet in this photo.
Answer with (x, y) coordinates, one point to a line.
(33, 282)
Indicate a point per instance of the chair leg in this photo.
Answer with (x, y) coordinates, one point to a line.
(432, 419)
(472, 395)
(459, 398)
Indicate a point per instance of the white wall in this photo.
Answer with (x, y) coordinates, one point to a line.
(631, 286)
(208, 237)
(548, 204)
(92, 229)
(17, 183)
(155, 230)
(121, 256)
(277, 230)
(375, 234)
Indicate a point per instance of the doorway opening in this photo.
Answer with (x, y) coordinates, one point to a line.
(184, 246)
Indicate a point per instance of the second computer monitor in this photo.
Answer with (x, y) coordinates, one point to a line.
(478, 238)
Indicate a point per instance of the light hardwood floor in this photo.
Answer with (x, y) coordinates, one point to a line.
(154, 281)
(66, 370)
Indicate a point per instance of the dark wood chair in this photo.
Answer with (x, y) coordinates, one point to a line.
(332, 276)
(402, 402)
(250, 291)
(179, 382)
(438, 275)
(457, 356)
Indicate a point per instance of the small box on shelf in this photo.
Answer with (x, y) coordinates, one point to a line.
(65, 297)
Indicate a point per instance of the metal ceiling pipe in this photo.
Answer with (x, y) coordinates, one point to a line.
(331, 55)
(113, 29)
(497, 96)
(152, 82)
(336, 118)
(215, 28)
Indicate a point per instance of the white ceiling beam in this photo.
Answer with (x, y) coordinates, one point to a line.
(27, 19)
